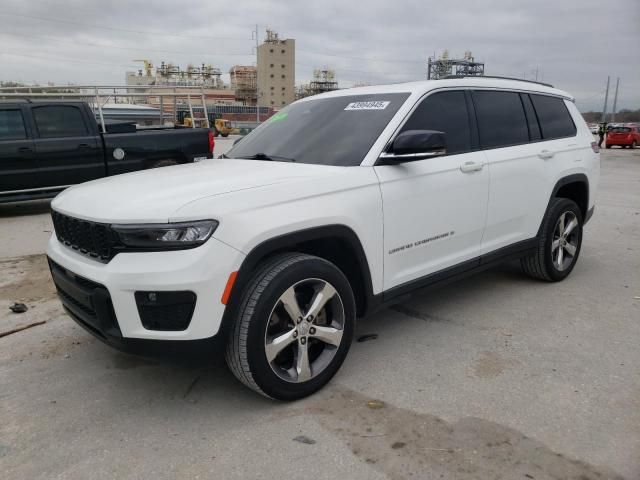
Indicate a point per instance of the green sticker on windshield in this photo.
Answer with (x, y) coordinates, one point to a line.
(278, 117)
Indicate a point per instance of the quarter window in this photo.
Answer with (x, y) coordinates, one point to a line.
(59, 121)
(501, 119)
(444, 112)
(12, 125)
(555, 119)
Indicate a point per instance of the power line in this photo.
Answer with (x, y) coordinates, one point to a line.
(116, 29)
(144, 32)
(62, 59)
(369, 59)
(139, 49)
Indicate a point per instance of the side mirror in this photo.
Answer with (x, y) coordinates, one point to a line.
(415, 145)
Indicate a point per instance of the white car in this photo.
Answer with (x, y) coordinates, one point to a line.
(339, 204)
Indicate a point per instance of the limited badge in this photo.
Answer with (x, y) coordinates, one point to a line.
(118, 153)
(379, 105)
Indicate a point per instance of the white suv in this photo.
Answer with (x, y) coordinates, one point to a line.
(338, 204)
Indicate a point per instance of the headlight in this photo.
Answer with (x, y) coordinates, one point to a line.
(169, 235)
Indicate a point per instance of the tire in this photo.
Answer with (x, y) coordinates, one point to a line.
(163, 163)
(544, 264)
(607, 146)
(215, 132)
(262, 317)
(225, 135)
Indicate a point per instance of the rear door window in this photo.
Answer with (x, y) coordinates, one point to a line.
(444, 112)
(12, 125)
(59, 121)
(501, 119)
(555, 119)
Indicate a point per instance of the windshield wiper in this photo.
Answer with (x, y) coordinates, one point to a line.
(273, 158)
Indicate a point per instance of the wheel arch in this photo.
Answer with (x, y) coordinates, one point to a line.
(338, 244)
(574, 187)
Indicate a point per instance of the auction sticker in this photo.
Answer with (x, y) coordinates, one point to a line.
(378, 105)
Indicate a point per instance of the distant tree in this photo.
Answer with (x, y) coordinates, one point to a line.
(622, 116)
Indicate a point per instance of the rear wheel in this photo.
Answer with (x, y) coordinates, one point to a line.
(559, 243)
(293, 328)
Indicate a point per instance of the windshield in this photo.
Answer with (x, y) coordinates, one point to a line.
(328, 131)
(620, 129)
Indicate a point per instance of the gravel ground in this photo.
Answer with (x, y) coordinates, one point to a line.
(497, 376)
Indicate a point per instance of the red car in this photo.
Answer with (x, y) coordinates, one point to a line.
(624, 136)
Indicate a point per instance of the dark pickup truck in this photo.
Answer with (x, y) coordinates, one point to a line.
(48, 146)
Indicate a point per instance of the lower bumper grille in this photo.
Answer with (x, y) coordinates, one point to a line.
(88, 302)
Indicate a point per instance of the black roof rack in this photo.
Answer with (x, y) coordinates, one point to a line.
(449, 77)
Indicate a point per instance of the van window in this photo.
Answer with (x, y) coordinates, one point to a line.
(555, 119)
(59, 121)
(12, 125)
(501, 119)
(444, 112)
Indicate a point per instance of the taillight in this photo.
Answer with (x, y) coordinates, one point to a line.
(595, 147)
(212, 142)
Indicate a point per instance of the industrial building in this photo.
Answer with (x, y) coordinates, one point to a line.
(444, 66)
(324, 80)
(276, 71)
(244, 82)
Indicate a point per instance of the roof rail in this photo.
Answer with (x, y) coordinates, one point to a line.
(449, 77)
(14, 100)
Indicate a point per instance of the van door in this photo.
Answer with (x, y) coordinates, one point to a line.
(18, 167)
(434, 209)
(67, 150)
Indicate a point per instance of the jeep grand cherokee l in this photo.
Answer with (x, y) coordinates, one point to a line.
(337, 205)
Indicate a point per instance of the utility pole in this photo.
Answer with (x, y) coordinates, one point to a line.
(606, 99)
(615, 101)
(255, 33)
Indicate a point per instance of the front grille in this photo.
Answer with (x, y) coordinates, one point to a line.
(96, 240)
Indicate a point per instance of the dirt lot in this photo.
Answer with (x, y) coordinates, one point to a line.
(497, 376)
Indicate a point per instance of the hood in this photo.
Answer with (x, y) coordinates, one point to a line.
(153, 195)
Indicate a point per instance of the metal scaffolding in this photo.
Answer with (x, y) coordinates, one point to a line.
(447, 67)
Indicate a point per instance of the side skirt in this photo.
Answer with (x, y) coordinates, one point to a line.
(452, 274)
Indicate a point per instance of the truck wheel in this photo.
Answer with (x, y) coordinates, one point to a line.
(225, 135)
(215, 132)
(559, 243)
(293, 328)
(163, 163)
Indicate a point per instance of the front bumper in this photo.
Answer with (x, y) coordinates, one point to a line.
(101, 297)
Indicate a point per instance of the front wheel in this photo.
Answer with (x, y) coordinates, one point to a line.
(559, 243)
(293, 327)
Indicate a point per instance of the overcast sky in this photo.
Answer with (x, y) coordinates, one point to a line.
(574, 44)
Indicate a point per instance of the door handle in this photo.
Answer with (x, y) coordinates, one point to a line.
(546, 154)
(468, 167)
(84, 145)
(25, 149)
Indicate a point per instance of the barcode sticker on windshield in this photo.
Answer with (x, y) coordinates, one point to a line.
(381, 105)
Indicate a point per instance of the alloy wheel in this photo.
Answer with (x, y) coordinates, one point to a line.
(565, 241)
(304, 330)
